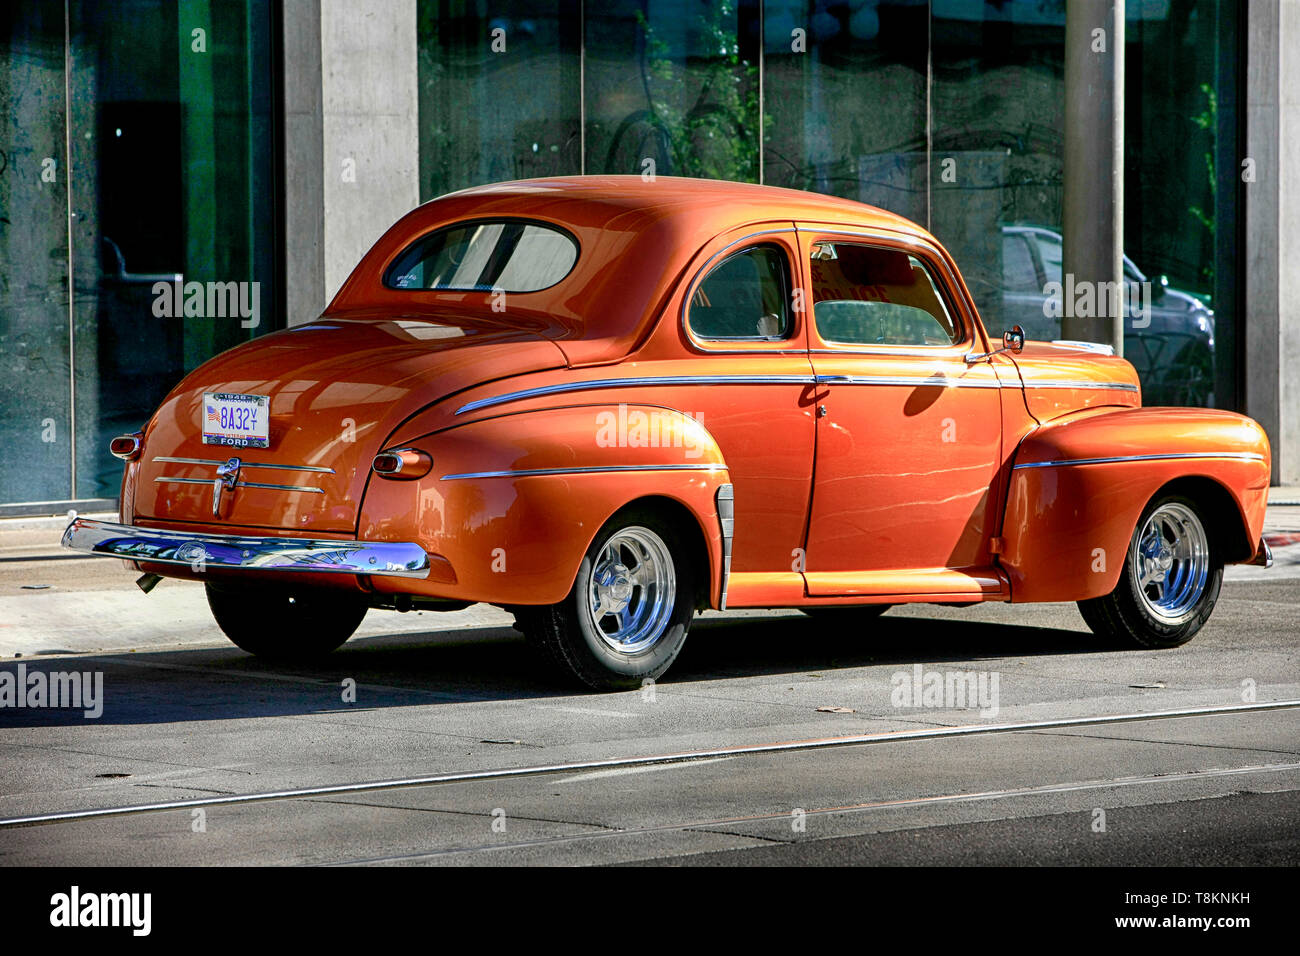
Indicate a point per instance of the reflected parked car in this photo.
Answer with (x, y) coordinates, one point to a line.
(1174, 353)
(604, 404)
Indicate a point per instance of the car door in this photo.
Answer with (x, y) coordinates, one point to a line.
(908, 431)
(735, 347)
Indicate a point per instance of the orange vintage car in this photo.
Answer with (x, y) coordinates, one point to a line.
(605, 403)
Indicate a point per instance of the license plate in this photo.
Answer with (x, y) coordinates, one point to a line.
(241, 421)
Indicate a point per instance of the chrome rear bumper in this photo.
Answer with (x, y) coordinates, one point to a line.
(1263, 556)
(239, 552)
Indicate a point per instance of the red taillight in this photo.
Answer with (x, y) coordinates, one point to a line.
(126, 447)
(402, 463)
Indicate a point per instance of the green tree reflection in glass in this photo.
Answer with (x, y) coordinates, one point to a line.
(702, 114)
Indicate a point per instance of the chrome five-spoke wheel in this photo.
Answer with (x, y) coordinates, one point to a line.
(1170, 581)
(631, 604)
(1171, 557)
(632, 590)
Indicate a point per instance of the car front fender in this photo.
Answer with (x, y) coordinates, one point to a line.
(1079, 485)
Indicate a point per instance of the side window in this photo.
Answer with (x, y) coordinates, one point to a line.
(869, 296)
(1050, 249)
(746, 296)
(1018, 271)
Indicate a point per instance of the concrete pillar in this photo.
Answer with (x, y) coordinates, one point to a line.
(304, 199)
(1093, 204)
(351, 138)
(370, 125)
(1272, 280)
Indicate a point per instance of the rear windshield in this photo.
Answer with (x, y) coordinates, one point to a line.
(506, 255)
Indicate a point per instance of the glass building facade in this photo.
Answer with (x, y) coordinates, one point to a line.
(949, 112)
(139, 142)
(136, 148)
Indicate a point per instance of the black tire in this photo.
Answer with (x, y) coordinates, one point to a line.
(285, 623)
(1125, 617)
(846, 615)
(566, 634)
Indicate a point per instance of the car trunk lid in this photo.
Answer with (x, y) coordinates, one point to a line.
(337, 389)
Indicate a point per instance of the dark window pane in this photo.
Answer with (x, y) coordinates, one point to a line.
(866, 296)
(672, 89)
(173, 178)
(506, 256)
(845, 97)
(1181, 183)
(499, 92)
(744, 298)
(998, 140)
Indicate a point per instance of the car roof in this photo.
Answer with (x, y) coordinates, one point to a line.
(727, 204)
(651, 228)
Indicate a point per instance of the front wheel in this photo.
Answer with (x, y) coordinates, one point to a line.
(626, 618)
(1170, 582)
(285, 623)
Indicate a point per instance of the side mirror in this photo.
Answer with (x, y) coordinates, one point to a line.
(1013, 341)
(1160, 286)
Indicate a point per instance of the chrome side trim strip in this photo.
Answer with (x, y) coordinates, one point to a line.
(244, 464)
(592, 470)
(917, 381)
(228, 551)
(262, 484)
(241, 484)
(188, 481)
(1059, 383)
(934, 352)
(598, 383)
(797, 379)
(713, 351)
(1235, 455)
(1101, 348)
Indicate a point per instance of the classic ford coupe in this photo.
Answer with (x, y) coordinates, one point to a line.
(605, 403)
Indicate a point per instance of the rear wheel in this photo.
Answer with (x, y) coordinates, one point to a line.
(285, 623)
(1170, 582)
(629, 611)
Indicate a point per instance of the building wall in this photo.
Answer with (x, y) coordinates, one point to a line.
(1272, 327)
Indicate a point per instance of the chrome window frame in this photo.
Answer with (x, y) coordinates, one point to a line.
(959, 305)
(391, 264)
(705, 345)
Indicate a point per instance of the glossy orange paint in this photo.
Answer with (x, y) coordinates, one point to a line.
(514, 500)
(907, 451)
(1076, 518)
(860, 472)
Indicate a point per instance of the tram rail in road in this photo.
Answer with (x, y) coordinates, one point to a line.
(682, 757)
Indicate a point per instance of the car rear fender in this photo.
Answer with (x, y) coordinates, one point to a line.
(514, 501)
(1080, 483)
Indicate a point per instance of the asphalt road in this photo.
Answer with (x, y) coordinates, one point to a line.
(187, 716)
